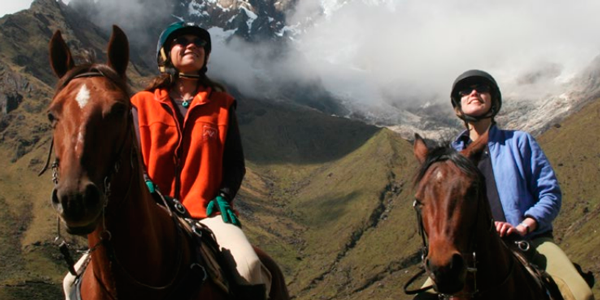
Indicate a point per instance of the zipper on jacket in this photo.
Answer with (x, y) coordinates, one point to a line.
(176, 153)
(178, 149)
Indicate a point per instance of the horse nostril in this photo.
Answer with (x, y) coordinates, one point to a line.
(74, 204)
(458, 263)
(56, 201)
(92, 195)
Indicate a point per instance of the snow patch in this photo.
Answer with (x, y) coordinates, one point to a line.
(251, 17)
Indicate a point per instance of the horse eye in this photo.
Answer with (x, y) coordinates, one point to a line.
(51, 118)
(118, 110)
(417, 203)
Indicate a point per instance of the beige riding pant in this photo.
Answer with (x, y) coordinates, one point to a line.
(239, 253)
(552, 259)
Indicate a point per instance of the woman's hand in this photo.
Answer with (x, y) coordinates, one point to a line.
(527, 226)
(505, 229)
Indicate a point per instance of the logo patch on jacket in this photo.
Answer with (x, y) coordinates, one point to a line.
(209, 132)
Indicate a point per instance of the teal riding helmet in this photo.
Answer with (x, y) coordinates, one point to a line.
(170, 33)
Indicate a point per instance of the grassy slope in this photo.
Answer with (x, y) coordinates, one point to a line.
(357, 209)
(30, 265)
(29, 256)
(340, 229)
(345, 253)
(348, 223)
(279, 134)
(574, 151)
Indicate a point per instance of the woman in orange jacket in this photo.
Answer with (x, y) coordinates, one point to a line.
(191, 146)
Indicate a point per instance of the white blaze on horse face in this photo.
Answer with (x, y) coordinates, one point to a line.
(79, 141)
(439, 176)
(83, 96)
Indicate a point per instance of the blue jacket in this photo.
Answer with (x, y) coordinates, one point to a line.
(527, 185)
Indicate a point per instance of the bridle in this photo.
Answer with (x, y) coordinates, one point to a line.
(470, 255)
(105, 235)
(115, 162)
(107, 185)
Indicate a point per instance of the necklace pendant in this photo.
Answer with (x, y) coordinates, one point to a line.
(185, 103)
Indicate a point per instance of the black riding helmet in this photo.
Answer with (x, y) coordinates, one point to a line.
(172, 32)
(474, 77)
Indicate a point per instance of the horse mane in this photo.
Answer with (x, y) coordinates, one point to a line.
(103, 69)
(443, 152)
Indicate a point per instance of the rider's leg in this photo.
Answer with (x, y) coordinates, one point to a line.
(239, 253)
(69, 280)
(552, 259)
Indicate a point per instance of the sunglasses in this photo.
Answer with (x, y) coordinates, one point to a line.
(184, 42)
(480, 88)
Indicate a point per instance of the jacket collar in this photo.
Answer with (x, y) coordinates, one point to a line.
(202, 97)
(463, 140)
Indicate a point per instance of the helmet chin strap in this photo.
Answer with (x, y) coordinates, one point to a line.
(474, 119)
(197, 75)
(188, 75)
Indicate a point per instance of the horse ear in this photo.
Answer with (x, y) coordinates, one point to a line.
(118, 51)
(420, 149)
(61, 60)
(474, 150)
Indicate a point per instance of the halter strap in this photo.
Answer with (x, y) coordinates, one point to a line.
(93, 73)
(471, 246)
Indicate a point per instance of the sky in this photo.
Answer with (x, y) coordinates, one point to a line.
(13, 6)
(9, 7)
(404, 51)
(408, 51)
(415, 49)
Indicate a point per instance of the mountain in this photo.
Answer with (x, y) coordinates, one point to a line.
(255, 41)
(573, 147)
(541, 114)
(329, 197)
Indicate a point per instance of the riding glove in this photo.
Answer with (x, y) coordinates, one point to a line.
(225, 209)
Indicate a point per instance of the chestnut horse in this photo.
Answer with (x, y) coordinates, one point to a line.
(463, 254)
(137, 249)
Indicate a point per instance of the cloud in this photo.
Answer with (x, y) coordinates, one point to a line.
(414, 47)
(138, 18)
(400, 53)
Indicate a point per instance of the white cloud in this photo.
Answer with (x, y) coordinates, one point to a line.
(413, 47)
(13, 6)
(403, 51)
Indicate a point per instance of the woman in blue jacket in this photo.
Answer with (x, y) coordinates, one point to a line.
(521, 185)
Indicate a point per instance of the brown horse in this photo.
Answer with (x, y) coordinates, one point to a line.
(463, 254)
(137, 249)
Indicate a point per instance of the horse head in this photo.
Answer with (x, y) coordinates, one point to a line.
(449, 191)
(88, 112)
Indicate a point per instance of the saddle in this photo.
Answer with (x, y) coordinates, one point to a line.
(524, 253)
(207, 252)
